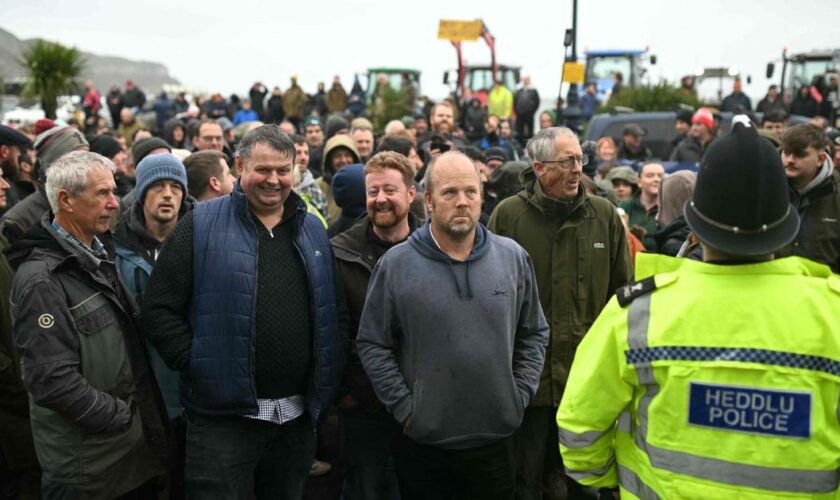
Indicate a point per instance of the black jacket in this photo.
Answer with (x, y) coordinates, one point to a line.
(689, 150)
(526, 102)
(355, 260)
(670, 239)
(275, 112)
(819, 227)
(24, 215)
(641, 154)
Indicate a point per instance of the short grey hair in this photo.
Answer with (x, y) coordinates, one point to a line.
(271, 136)
(70, 172)
(353, 130)
(541, 146)
(427, 177)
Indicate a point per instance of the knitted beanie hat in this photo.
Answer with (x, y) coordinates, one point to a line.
(55, 143)
(153, 168)
(141, 149)
(105, 145)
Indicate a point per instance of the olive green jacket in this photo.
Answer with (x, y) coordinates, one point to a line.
(579, 263)
(293, 101)
(639, 216)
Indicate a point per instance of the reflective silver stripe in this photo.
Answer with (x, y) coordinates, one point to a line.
(634, 484)
(753, 476)
(625, 422)
(571, 439)
(638, 318)
(579, 475)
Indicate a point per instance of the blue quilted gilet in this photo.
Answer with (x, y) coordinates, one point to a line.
(221, 375)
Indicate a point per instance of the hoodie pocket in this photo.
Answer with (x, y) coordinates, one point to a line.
(516, 400)
(416, 397)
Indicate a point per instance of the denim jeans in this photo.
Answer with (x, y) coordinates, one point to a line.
(430, 473)
(367, 441)
(231, 457)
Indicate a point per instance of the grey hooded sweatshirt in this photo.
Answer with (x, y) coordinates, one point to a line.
(459, 346)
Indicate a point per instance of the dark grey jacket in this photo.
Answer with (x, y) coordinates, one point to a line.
(20, 219)
(689, 150)
(459, 346)
(98, 421)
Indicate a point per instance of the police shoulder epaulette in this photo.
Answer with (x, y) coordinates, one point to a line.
(633, 291)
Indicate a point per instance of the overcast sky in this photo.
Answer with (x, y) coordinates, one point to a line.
(227, 46)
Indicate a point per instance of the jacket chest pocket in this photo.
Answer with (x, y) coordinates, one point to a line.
(102, 349)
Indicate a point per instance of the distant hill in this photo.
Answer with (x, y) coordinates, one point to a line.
(103, 70)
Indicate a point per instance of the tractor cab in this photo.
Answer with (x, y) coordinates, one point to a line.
(602, 65)
(479, 80)
(398, 79)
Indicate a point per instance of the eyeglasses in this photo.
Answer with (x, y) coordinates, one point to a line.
(570, 161)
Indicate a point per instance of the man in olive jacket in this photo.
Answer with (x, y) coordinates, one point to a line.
(98, 421)
(578, 246)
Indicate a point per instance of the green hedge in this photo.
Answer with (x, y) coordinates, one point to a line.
(660, 97)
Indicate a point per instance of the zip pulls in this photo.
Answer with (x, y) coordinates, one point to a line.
(271, 233)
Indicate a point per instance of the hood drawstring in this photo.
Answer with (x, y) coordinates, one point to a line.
(457, 283)
(455, 278)
(469, 286)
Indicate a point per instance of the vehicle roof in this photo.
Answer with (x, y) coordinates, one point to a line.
(659, 125)
(614, 52)
(502, 67)
(815, 55)
(393, 70)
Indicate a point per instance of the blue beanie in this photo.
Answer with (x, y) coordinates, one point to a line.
(348, 186)
(153, 168)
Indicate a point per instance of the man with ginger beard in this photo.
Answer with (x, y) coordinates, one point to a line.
(442, 121)
(579, 248)
(368, 429)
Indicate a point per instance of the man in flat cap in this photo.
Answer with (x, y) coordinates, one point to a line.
(12, 145)
(49, 146)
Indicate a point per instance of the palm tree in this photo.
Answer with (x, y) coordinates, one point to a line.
(52, 69)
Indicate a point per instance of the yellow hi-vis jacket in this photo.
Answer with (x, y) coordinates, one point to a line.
(710, 381)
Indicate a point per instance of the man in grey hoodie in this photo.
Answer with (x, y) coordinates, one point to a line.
(453, 339)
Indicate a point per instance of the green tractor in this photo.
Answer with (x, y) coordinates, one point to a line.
(402, 80)
(390, 94)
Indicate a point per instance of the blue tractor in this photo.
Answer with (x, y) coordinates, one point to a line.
(602, 65)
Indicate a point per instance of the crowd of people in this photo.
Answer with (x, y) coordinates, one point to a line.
(184, 305)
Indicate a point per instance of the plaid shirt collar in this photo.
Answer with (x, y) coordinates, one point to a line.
(97, 249)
